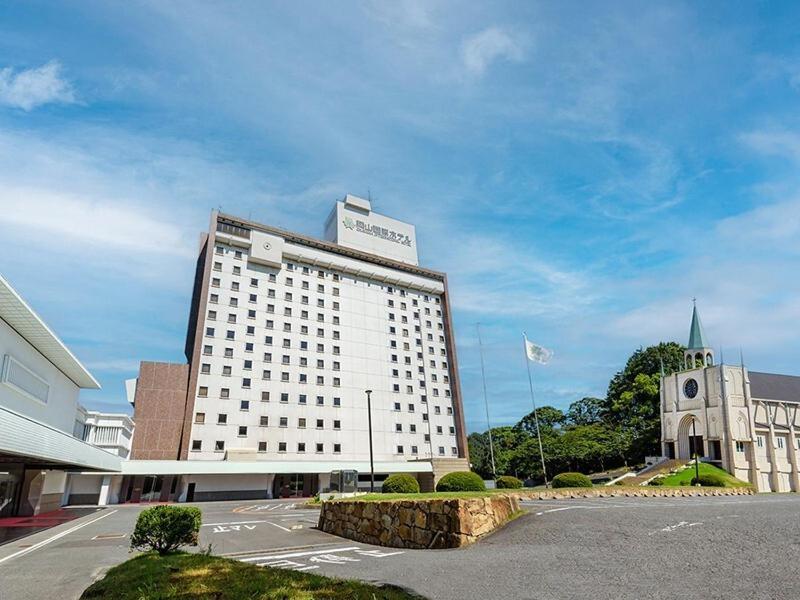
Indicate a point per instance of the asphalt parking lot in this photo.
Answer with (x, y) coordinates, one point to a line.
(717, 547)
(69, 557)
(630, 548)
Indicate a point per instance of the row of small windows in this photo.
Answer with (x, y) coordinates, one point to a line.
(270, 324)
(208, 350)
(415, 450)
(305, 270)
(403, 306)
(222, 419)
(237, 270)
(404, 319)
(253, 298)
(393, 331)
(410, 389)
(398, 428)
(407, 347)
(421, 371)
(230, 334)
(219, 446)
(302, 399)
(266, 375)
(227, 370)
(224, 393)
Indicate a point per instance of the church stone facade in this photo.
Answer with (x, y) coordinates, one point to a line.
(745, 422)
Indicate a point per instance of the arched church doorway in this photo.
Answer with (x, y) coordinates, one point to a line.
(690, 438)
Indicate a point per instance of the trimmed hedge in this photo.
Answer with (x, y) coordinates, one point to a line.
(166, 528)
(507, 482)
(400, 483)
(710, 480)
(571, 480)
(461, 481)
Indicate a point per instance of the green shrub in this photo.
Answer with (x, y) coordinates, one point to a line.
(508, 482)
(461, 481)
(166, 528)
(709, 480)
(571, 480)
(656, 482)
(620, 482)
(400, 483)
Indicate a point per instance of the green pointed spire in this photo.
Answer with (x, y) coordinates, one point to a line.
(697, 338)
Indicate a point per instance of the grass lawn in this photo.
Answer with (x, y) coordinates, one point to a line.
(199, 576)
(684, 478)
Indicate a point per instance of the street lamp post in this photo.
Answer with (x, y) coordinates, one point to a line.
(371, 464)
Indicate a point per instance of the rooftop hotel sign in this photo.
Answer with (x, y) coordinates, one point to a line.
(353, 224)
(377, 231)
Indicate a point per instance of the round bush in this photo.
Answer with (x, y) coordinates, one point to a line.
(507, 482)
(709, 480)
(656, 482)
(571, 480)
(400, 483)
(166, 528)
(461, 481)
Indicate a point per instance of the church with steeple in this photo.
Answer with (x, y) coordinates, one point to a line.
(745, 422)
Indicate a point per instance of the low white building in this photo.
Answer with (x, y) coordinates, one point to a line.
(745, 422)
(40, 382)
(112, 432)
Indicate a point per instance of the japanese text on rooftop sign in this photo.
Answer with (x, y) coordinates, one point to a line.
(377, 231)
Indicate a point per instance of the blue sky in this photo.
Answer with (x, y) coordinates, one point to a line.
(580, 170)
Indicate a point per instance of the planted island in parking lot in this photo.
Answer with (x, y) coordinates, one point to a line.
(183, 576)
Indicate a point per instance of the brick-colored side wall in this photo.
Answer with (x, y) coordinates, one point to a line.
(159, 408)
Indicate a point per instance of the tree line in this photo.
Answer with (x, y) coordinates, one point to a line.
(594, 434)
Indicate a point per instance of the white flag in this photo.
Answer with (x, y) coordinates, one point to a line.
(536, 353)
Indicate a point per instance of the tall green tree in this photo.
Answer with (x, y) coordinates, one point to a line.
(632, 401)
(549, 419)
(595, 434)
(585, 411)
(479, 456)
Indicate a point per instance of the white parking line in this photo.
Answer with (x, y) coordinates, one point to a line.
(232, 523)
(278, 526)
(55, 537)
(268, 557)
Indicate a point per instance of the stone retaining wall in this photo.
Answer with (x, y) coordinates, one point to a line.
(430, 523)
(612, 491)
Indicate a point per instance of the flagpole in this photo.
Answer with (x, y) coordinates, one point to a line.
(535, 415)
(486, 402)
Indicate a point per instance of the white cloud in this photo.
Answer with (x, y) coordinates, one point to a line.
(98, 222)
(30, 88)
(774, 143)
(479, 51)
(480, 278)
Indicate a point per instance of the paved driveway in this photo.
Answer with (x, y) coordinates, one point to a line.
(69, 557)
(724, 547)
(632, 548)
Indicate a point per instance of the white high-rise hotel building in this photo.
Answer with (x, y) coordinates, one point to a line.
(286, 335)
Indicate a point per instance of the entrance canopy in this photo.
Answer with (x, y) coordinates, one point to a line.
(27, 440)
